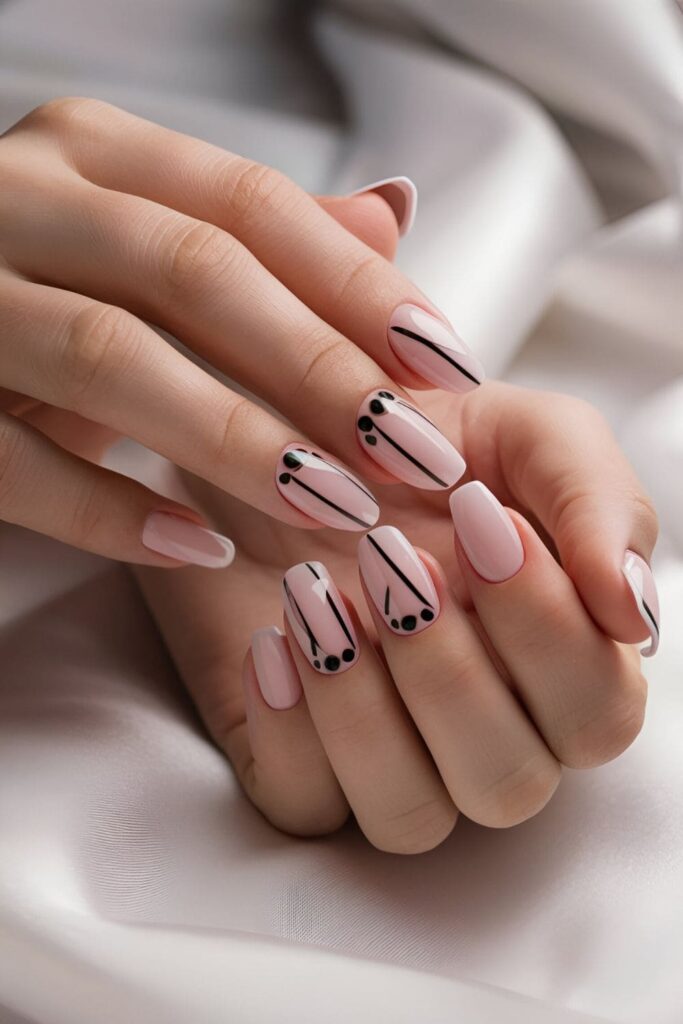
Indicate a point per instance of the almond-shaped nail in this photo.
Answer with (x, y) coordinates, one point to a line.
(275, 670)
(432, 349)
(180, 538)
(319, 619)
(317, 485)
(487, 533)
(406, 443)
(644, 589)
(398, 582)
(401, 195)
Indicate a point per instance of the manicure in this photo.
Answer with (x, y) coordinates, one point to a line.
(401, 195)
(275, 670)
(432, 349)
(487, 533)
(398, 582)
(403, 441)
(325, 491)
(319, 619)
(644, 589)
(180, 538)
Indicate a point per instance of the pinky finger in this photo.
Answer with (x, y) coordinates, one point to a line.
(281, 762)
(45, 488)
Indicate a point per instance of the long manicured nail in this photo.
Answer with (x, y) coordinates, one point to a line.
(319, 619)
(397, 581)
(275, 670)
(486, 532)
(180, 538)
(401, 195)
(321, 488)
(642, 583)
(429, 347)
(407, 444)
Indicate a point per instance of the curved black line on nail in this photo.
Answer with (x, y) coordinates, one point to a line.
(435, 348)
(411, 458)
(650, 615)
(315, 646)
(401, 575)
(350, 478)
(327, 501)
(337, 613)
(417, 411)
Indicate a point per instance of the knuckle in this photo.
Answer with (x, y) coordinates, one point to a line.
(368, 274)
(89, 512)
(99, 343)
(14, 461)
(63, 113)
(335, 350)
(255, 193)
(198, 255)
(518, 794)
(234, 427)
(611, 729)
(417, 829)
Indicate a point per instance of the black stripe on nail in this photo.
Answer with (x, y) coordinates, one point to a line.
(411, 458)
(350, 478)
(337, 613)
(327, 501)
(401, 575)
(435, 348)
(650, 615)
(315, 646)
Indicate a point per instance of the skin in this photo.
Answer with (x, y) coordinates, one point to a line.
(477, 714)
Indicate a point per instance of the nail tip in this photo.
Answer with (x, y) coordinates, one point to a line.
(405, 216)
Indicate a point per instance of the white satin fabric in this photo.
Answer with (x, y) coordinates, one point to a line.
(136, 882)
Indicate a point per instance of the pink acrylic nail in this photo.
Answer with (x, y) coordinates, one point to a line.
(405, 442)
(319, 486)
(319, 619)
(401, 195)
(432, 349)
(644, 589)
(275, 670)
(487, 533)
(180, 538)
(398, 582)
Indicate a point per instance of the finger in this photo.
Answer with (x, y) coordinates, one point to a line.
(45, 488)
(369, 217)
(495, 765)
(378, 757)
(173, 271)
(347, 284)
(104, 364)
(583, 691)
(563, 462)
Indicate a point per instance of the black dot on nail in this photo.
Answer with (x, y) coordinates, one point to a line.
(395, 623)
(348, 654)
(387, 394)
(292, 460)
(377, 407)
(284, 478)
(365, 423)
(332, 663)
(316, 663)
(371, 439)
(408, 622)
(427, 615)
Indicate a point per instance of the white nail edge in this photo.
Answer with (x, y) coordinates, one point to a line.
(409, 190)
(651, 649)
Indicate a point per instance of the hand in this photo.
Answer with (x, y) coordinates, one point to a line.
(108, 223)
(519, 666)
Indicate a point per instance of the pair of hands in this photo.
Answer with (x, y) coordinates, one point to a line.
(520, 664)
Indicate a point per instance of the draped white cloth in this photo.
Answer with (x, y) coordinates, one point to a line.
(136, 882)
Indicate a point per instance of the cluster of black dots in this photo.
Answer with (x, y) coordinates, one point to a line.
(292, 461)
(365, 424)
(332, 662)
(409, 622)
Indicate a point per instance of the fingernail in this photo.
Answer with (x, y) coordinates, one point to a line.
(429, 347)
(180, 538)
(407, 444)
(397, 581)
(321, 488)
(401, 195)
(486, 532)
(319, 619)
(643, 587)
(275, 670)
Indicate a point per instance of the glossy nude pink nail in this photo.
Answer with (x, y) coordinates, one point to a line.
(429, 347)
(403, 441)
(644, 589)
(397, 581)
(319, 619)
(401, 195)
(486, 532)
(275, 670)
(180, 538)
(318, 486)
